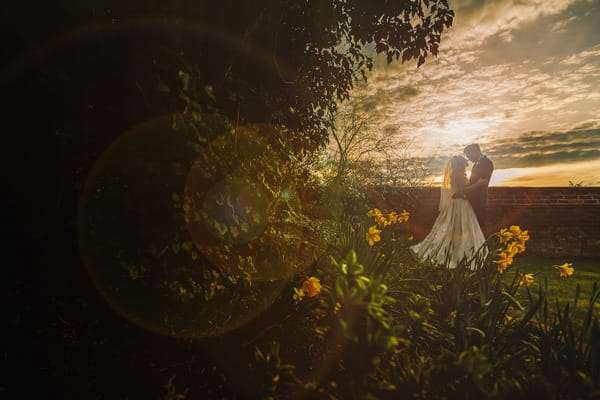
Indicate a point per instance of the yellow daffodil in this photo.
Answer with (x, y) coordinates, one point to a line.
(386, 220)
(505, 235)
(505, 257)
(393, 217)
(504, 260)
(404, 216)
(511, 249)
(374, 212)
(565, 270)
(523, 237)
(502, 266)
(515, 248)
(378, 217)
(520, 247)
(311, 287)
(373, 235)
(381, 221)
(515, 230)
(526, 279)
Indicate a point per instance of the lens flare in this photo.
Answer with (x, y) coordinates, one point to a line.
(130, 225)
(235, 204)
(88, 36)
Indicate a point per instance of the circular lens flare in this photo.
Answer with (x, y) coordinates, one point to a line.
(132, 239)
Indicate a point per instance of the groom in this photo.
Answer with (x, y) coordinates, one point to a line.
(482, 169)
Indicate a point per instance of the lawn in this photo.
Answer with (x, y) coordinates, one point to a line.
(587, 271)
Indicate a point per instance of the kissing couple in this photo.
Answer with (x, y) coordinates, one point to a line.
(459, 230)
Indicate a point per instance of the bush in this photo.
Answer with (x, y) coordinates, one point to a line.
(403, 330)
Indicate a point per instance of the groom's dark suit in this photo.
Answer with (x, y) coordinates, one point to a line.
(478, 197)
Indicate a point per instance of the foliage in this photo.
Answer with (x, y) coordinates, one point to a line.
(360, 156)
(362, 306)
(560, 289)
(241, 205)
(354, 139)
(359, 235)
(258, 87)
(568, 354)
(360, 151)
(289, 62)
(270, 364)
(171, 391)
(283, 62)
(424, 331)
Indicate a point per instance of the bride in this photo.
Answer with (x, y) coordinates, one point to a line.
(455, 233)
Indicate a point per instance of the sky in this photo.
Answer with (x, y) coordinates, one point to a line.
(519, 77)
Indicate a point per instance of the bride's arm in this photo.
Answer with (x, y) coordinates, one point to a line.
(469, 188)
(463, 187)
(459, 189)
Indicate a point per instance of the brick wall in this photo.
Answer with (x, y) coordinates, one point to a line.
(562, 221)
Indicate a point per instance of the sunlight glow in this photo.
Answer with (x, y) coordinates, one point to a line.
(461, 132)
(585, 172)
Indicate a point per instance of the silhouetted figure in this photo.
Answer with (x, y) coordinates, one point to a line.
(456, 233)
(482, 170)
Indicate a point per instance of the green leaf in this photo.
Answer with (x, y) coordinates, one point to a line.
(471, 328)
(513, 300)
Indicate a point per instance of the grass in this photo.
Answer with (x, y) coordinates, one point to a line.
(587, 271)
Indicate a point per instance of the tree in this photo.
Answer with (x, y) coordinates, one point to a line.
(283, 62)
(80, 74)
(363, 160)
(290, 63)
(353, 138)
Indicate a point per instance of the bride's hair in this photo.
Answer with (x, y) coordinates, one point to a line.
(455, 167)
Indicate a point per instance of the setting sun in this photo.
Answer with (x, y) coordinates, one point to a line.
(463, 131)
(524, 85)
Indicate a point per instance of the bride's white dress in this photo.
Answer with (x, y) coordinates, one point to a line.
(454, 235)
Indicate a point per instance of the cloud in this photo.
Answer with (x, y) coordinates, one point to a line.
(477, 20)
(560, 25)
(402, 93)
(582, 56)
(377, 97)
(520, 77)
(590, 124)
(453, 103)
(545, 148)
(532, 152)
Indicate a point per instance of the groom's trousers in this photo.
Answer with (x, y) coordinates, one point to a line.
(479, 200)
(481, 215)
